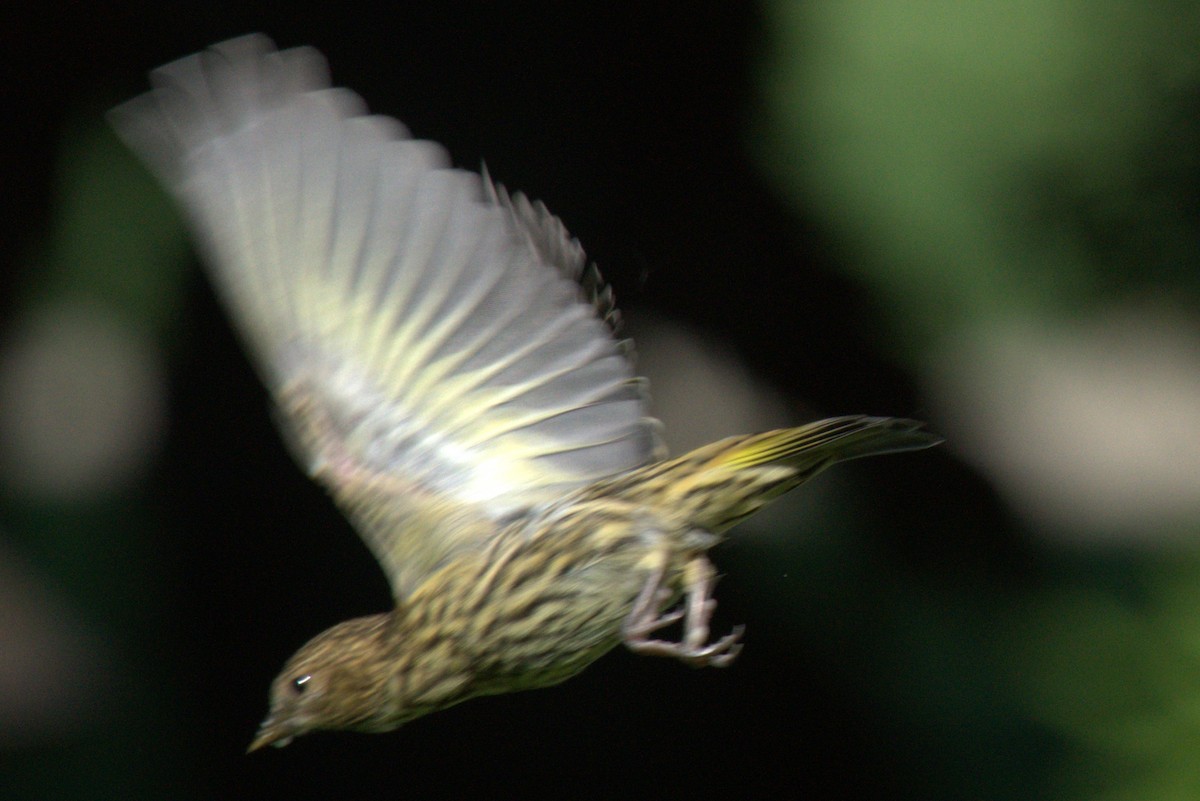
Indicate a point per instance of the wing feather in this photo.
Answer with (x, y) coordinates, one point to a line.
(441, 350)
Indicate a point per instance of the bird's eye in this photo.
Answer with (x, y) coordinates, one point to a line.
(300, 683)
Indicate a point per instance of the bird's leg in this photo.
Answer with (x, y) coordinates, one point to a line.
(644, 619)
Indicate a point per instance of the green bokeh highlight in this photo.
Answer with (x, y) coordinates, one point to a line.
(977, 163)
(967, 155)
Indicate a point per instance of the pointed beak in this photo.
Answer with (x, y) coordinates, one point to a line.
(270, 733)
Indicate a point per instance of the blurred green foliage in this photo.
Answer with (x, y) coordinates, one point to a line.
(1037, 161)
(989, 159)
(116, 249)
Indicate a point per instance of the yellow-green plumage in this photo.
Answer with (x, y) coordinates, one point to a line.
(715, 486)
(444, 361)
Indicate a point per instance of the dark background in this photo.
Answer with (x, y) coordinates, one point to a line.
(875, 660)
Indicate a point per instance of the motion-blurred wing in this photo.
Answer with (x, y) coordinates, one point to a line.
(427, 336)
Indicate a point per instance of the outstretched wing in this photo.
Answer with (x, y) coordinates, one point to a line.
(437, 360)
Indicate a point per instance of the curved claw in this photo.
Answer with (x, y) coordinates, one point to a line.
(720, 653)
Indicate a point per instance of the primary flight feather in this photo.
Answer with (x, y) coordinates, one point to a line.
(445, 361)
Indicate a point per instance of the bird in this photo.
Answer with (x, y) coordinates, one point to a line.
(446, 363)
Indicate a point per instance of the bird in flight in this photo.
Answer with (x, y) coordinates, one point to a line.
(446, 365)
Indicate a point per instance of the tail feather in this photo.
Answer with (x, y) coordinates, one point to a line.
(716, 486)
(826, 441)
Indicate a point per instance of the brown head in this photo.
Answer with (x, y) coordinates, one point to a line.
(338, 680)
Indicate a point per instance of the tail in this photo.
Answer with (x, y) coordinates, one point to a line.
(716, 486)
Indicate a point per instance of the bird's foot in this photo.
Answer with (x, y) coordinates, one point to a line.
(694, 649)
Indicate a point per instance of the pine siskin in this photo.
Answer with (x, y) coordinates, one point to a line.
(445, 361)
